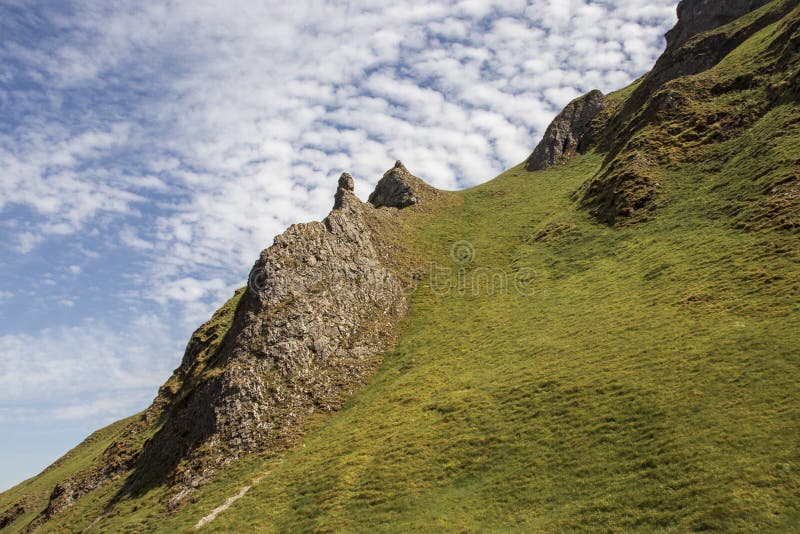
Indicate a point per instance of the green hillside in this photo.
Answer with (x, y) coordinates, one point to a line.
(574, 375)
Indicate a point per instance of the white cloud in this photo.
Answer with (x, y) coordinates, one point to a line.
(129, 237)
(86, 370)
(107, 408)
(27, 241)
(238, 108)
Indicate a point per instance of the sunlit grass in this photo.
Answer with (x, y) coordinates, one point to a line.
(647, 383)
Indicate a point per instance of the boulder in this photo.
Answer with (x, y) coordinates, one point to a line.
(397, 189)
(563, 136)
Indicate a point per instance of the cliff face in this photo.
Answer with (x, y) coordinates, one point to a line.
(697, 16)
(321, 306)
(562, 138)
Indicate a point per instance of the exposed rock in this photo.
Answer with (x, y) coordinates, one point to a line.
(697, 16)
(11, 514)
(562, 138)
(661, 122)
(114, 462)
(345, 191)
(320, 309)
(685, 56)
(627, 190)
(121, 456)
(397, 189)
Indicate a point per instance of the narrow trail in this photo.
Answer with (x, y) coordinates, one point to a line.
(232, 499)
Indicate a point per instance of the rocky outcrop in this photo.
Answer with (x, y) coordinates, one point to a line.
(662, 121)
(113, 464)
(320, 309)
(626, 191)
(699, 41)
(11, 514)
(697, 16)
(122, 455)
(398, 188)
(344, 193)
(562, 138)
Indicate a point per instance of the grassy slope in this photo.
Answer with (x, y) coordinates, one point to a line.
(36, 490)
(648, 384)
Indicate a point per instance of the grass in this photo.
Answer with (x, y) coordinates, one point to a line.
(648, 383)
(35, 492)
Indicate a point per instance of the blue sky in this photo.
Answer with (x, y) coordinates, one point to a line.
(150, 150)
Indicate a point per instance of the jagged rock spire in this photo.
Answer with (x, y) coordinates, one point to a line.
(344, 191)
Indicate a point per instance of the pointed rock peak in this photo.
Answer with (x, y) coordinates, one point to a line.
(346, 182)
(697, 16)
(563, 136)
(398, 188)
(344, 191)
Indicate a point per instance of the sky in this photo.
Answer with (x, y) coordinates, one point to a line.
(150, 150)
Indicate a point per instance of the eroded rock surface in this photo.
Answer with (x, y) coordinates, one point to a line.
(563, 136)
(321, 307)
(397, 189)
(320, 310)
(697, 16)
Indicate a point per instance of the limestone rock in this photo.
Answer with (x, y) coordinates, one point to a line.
(563, 136)
(321, 307)
(697, 16)
(320, 310)
(397, 189)
(345, 192)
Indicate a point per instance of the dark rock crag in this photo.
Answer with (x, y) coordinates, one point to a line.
(562, 139)
(398, 188)
(320, 309)
(637, 138)
(698, 16)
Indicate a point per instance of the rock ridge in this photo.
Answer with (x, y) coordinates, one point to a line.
(319, 311)
(321, 307)
(698, 16)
